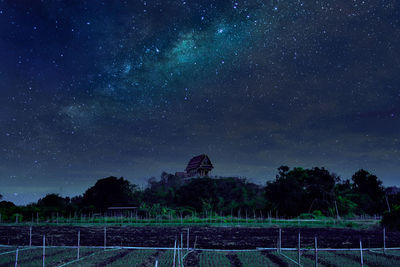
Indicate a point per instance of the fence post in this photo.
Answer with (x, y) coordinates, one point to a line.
(79, 243)
(361, 254)
(16, 258)
(316, 252)
(384, 240)
(298, 251)
(105, 238)
(30, 236)
(156, 265)
(44, 249)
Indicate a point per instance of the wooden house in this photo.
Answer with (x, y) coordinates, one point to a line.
(199, 166)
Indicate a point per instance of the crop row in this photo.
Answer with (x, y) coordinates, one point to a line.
(124, 257)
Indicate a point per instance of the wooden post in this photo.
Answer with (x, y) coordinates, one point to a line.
(37, 217)
(195, 242)
(79, 243)
(105, 238)
(44, 249)
(156, 265)
(173, 263)
(57, 217)
(30, 236)
(384, 239)
(316, 252)
(16, 218)
(298, 251)
(16, 258)
(361, 254)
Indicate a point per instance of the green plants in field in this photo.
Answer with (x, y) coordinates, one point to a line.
(166, 259)
(96, 258)
(254, 259)
(214, 259)
(133, 258)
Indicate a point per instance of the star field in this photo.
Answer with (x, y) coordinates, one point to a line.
(90, 89)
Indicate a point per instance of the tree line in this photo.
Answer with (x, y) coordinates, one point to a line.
(294, 192)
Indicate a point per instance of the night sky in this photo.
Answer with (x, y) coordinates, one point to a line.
(90, 89)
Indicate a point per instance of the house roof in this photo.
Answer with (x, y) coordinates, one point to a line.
(196, 162)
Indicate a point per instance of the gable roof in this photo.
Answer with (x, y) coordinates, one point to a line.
(195, 162)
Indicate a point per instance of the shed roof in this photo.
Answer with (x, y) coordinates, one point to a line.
(196, 161)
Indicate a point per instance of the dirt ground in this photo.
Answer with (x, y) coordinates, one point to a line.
(206, 237)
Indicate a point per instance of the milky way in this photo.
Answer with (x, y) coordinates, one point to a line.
(90, 89)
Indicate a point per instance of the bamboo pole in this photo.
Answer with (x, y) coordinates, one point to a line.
(280, 241)
(337, 211)
(173, 263)
(316, 252)
(384, 239)
(179, 257)
(44, 249)
(79, 243)
(181, 249)
(298, 251)
(30, 236)
(16, 258)
(187, 239)
(361, 254)
(105, 238)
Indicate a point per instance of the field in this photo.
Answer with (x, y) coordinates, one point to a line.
(207, 237)
(214, 246)
(133, 257)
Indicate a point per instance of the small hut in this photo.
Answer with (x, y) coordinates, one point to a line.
(199, 166)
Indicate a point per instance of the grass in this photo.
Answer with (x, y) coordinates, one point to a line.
(211, 221)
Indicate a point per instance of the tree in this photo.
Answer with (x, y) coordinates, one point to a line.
(301, 190)
(368, 192)
(111, 191)
(52, 203)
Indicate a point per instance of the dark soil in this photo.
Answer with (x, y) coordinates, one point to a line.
(234, 259)
(275, 259)
(207, 237)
